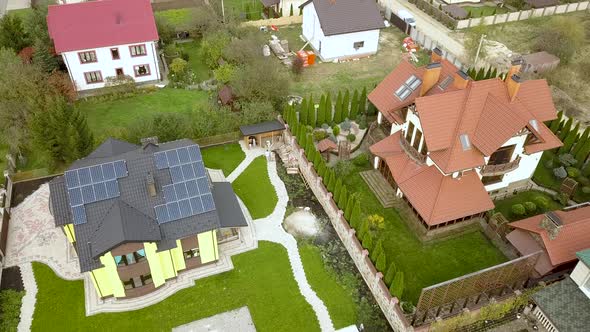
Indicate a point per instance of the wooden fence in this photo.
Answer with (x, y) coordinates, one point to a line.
(373, 278)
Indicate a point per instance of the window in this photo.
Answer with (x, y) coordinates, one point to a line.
(87, 57)
(137, 50)
(465, 143)
(93, 77)
(119, 72)
(191, 253)
(486, 180)
(410, 132)
(141, 70)
(502, 155)
(138, 281)
(417, 139)
(424, 150)
(358, 45)
(131, 258)
(115, 53)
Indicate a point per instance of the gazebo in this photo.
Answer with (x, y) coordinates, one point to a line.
(262, 134)
(326, 146)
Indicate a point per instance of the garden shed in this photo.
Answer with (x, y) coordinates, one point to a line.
(539, 62)
(326, 146)
(263, 134)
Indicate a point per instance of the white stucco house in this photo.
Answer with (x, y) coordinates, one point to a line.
(342, 29)
(454, 141)
(104, 38)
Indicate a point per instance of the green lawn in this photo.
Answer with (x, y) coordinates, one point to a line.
(224, 157)
(103, 116)
(424, 265)
(505, 205)
(255, 190)
(195, 59)
(479, 11)
(179, 18)
(239, 8)
(262, 279)
(340, 304)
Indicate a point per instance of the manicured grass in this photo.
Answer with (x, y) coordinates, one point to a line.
(224, 157)
(479, 11)
(340, 304)
(423, 264)
(178, 18)
(261, 279)
(239, 8)
(107, 115)
(195, 59)
(255, 190)
(505, 205)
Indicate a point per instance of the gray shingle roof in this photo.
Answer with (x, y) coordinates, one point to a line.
(339, 17)
(228, 208)
(263, 127)
(268, 3)
(129, 217)
(566, 306)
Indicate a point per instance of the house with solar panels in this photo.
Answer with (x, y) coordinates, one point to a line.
(138, 216)
(453, 141)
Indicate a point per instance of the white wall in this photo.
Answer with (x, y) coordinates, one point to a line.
(107, 65)
(285, 5)
(526, 167)
(337, 46)
(16, 4)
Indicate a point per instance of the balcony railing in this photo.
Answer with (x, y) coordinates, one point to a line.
(411, 151)
(491, 170)
(130, 271)
(140, 291)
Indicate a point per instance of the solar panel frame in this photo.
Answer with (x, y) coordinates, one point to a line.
(120, 168)
(162, 213)
(79, 214)
(161, 160)
(84, 176)
(185, 208)
(112, 188)
(208, 203)
(183, 155)
(75, 195)
(72, 179)
(108, 171)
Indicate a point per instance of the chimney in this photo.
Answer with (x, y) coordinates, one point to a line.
(431, 76)
(461, 79)
(513, 85)
(514, 69)
(149, 140)
(436, 55)
(151, 185)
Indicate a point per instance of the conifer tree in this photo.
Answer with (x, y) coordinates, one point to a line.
(311, 114)
(291, 10)
(354, 106)
(349, 207)
(583, 154)
(322, 171)
(329, 110)
(570, 139)
(397, 286)
(390, 274)
(303, 111)
(317, 159)
(346, 105)
(566, 129)
(84, 138)
(343, 198)
(322, 112)
(363, 102)
(381, 263)
(488, 74)
(377, 250)
(332, 182)
(338, 109)
(337, 189)
(367, 241)
(44, 57)
(355, 218)
(554, 127)
(581, 141)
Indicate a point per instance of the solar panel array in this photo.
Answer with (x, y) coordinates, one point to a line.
(93, 184)
(189, 194)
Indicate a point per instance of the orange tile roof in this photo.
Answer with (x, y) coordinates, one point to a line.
(483, 111)
(326, 144)
(573, 236)
(388, 104)
(436, 197)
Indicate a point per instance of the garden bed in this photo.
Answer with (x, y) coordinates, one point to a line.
(505, 206)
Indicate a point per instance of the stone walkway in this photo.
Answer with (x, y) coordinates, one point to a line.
(271, 229)
(233, 320)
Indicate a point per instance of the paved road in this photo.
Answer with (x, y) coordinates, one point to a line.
(427, 24)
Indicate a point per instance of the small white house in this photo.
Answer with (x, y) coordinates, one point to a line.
(105, 38)
(338, 29)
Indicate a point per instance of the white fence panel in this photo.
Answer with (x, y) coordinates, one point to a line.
(561, 9)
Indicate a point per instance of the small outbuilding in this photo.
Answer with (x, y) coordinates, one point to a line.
(342, 29)
(263, 134)
(539, 62)
(226, 96)
(326, 146)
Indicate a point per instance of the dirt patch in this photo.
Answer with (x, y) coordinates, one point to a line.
(570, 107)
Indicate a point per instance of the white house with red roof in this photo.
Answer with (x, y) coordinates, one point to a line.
(105, 38)
(453, 140)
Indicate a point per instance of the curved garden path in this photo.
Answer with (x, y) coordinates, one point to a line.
(270, 229)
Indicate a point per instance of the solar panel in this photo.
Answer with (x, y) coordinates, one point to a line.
(79, 214)
(84, 176)
(72, 179)
(109, 171)
(120, 168)
(75, 195)
(112, 188)
(88, 194)
(96, 173)
(189, 194)
(100, 191)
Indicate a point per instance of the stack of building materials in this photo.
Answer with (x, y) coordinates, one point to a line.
(308, 57)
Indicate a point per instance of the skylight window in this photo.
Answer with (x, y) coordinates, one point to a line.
(409, 86)
(534, 124)
(465, 143)
(446, 82)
